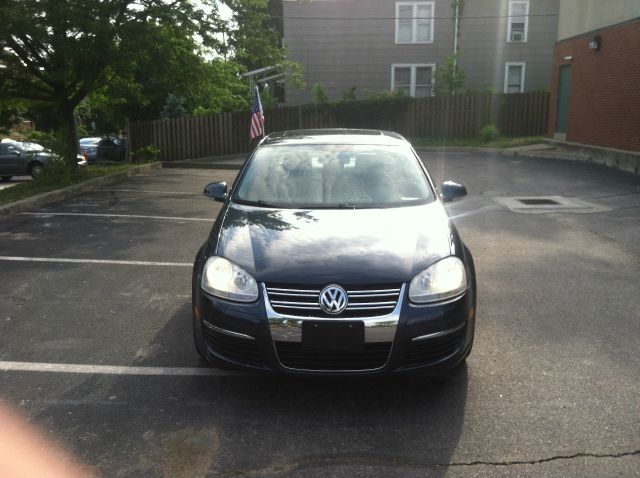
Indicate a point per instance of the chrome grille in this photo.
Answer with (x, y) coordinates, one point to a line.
(303, 301)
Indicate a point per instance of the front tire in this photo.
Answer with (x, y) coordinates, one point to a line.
(36, 170)
(6, 179)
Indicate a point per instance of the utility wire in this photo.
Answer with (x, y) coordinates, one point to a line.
(477, 17)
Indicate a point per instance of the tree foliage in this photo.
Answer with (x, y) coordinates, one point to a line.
(96, 64)
(319, 93)
(57, 52)
(256, 33)
(173, 107)
(449, 78)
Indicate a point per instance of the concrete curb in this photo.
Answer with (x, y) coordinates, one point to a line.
(59, 194)
(200, 165)
(621, 159)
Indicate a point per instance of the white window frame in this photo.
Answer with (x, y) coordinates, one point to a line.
(522, 74)
(414, 21)
(412, 83)
(526, 21)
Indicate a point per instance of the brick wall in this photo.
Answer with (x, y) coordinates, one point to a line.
(604, 106)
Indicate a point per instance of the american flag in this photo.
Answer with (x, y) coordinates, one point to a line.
(257, 117)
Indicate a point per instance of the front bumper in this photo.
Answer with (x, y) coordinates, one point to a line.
(412, 338)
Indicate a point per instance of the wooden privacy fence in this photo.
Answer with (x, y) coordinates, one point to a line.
(461, 116)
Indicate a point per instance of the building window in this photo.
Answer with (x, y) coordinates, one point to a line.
(412, 80)
(514, 77)
(518, 21)
(414, 22)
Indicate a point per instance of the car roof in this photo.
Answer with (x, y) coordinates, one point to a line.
(336, 136)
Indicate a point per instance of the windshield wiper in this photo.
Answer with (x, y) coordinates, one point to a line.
(264, 203)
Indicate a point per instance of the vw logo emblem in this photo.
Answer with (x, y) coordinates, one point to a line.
(333, 299)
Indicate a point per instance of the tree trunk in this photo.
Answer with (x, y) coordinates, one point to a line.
(68, 134)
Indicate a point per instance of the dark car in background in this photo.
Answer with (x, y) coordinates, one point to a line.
(96, 149)
(111, 149)
(334, 254)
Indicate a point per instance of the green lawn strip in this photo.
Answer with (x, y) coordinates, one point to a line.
(32, 188)
(474, 142)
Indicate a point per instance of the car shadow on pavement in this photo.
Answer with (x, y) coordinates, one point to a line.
(257, 424)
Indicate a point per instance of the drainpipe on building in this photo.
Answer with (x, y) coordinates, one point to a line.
(455, 35)
(455, 41)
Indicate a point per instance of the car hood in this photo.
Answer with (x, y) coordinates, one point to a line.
(347, 246)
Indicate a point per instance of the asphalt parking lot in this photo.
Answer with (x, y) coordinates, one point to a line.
(96, 345)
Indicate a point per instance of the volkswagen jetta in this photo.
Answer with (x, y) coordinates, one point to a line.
(334, 254)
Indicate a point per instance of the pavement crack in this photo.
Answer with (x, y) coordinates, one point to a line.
(543, 460)
(316, 462)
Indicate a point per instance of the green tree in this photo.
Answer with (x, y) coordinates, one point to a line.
(256, 35)
(449, 78)
(176, 64)
(349, 94)
(173, 107)
(319, 93)
(255, 38)
(57, 52)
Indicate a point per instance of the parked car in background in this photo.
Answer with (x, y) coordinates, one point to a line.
(334, 254)
(111, 149)
(21, 158)
(89, 148)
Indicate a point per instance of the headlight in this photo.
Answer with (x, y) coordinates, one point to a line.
(440, 281)
(225, 279)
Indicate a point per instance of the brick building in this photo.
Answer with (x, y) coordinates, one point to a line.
(595, 96)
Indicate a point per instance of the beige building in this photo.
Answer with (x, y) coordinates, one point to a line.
(504, 45)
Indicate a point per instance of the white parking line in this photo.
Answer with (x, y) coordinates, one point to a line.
(94, 261)
(148, 191)
(6, 366)
(130, 216)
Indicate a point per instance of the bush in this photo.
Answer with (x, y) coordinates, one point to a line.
(147, 153)
(319, 94)
(57, 173)
(349, 94)
(489, 133)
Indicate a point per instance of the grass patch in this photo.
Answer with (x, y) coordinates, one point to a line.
(46, 183)
(499, 143)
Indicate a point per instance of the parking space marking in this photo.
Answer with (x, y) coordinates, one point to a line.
(126, 216)
(6, 366)
(148, 191)
(94, 261)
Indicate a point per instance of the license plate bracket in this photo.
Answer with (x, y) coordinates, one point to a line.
(332, 335)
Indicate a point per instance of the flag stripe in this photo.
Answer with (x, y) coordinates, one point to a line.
(256, 128)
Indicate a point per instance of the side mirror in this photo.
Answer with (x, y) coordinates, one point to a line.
(451, 191)
(216, 191)
(16, 153)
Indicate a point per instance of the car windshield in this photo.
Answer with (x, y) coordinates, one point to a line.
(333, 176)
(89, 141)
(30, 147)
